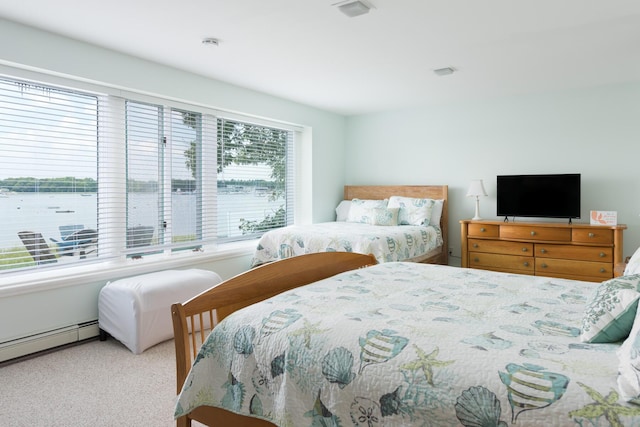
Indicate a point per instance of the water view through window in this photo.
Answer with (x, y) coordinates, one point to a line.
(91, 175)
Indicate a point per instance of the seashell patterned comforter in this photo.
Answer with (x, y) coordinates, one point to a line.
(386, 243)
(405, 344)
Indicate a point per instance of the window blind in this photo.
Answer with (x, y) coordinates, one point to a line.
(132, 176)
(48, 174)
(254, 178)
(170, 201)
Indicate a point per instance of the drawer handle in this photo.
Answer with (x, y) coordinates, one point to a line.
(602, 255)
(533, 233)
(526, 264)
(482, 230)
(591, 235)
(543, 251)
(602, 270)
(524, 249)
(475, 245)
(476, 260)
(544, 265)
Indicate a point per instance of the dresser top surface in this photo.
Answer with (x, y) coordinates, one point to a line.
(542, 224)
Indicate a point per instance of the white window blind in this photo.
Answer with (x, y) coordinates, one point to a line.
(255, 178)
(169, 203)
(133, 176)
(48, 175)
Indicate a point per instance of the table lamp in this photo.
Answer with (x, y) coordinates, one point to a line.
(476, 189)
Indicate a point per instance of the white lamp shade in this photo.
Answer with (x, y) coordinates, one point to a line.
(476, 188)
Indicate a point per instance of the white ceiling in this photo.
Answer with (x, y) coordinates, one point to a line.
(308, 51)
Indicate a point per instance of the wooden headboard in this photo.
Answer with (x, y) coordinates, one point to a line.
(379, 192)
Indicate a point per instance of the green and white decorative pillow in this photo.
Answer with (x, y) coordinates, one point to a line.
(413, 211)
(363, 210)
(609, 315)
(629, 365)
(383, 216)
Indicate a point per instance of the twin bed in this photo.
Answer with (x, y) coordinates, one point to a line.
(337, 339)
(414, 240)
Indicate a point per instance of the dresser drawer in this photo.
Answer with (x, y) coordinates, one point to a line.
(484, 230)
(592, 235)
(501, 262)
(572, 268)
(584, 253)
(500, 247)
(535, 233)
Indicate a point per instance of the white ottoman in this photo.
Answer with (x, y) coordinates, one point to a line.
(137, 310)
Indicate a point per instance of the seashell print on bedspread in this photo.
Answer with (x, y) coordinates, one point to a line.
(404, 344)
(386, 243)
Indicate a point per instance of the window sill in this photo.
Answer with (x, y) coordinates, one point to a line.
(49, 279)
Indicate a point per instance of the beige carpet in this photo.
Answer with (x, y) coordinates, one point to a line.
(92, 384)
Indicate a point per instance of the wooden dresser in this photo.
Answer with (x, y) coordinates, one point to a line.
(571, 251)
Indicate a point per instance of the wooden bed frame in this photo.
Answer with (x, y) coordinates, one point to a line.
(213, 305)
(380, 192)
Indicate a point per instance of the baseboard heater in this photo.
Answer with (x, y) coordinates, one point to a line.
(48, 340)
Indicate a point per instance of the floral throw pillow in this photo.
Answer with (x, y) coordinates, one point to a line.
(610, 313)
(361, 210)
(383, 216)
(413, 211)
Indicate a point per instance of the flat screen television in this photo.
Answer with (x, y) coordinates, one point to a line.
(540, 196)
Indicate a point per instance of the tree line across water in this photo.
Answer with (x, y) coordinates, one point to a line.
(90, 185)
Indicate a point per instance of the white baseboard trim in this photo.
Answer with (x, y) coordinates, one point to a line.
(47, 340)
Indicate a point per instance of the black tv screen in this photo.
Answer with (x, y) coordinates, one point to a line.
(541, 196)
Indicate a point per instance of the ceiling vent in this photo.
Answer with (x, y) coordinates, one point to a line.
(444, 71)
(353, 8)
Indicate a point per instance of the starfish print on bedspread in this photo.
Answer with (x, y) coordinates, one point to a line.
(604, 406)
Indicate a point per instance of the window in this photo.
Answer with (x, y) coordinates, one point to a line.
(86, 176)
(48, 174)
(255, 182)
(169, 202)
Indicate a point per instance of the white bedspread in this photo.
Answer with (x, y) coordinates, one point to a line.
(395, 243)
(405, 344)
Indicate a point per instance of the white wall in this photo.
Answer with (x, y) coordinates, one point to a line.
(594, 132)
(322, 149)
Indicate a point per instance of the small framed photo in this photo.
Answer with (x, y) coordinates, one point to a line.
(604, 218)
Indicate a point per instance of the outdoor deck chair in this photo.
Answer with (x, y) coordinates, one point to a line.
(38, 247)
(82, 241)
(67, 230)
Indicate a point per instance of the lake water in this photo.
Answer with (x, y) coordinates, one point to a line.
(45, 212)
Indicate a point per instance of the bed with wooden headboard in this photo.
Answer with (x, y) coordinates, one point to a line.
(336, 339)
(412, 240)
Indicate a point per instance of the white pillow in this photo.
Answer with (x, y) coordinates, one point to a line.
(633, 267)
(342, 211)
(436, 212)
(413, 211)
(629, 365)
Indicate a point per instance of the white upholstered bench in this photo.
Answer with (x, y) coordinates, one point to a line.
(137, 310)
